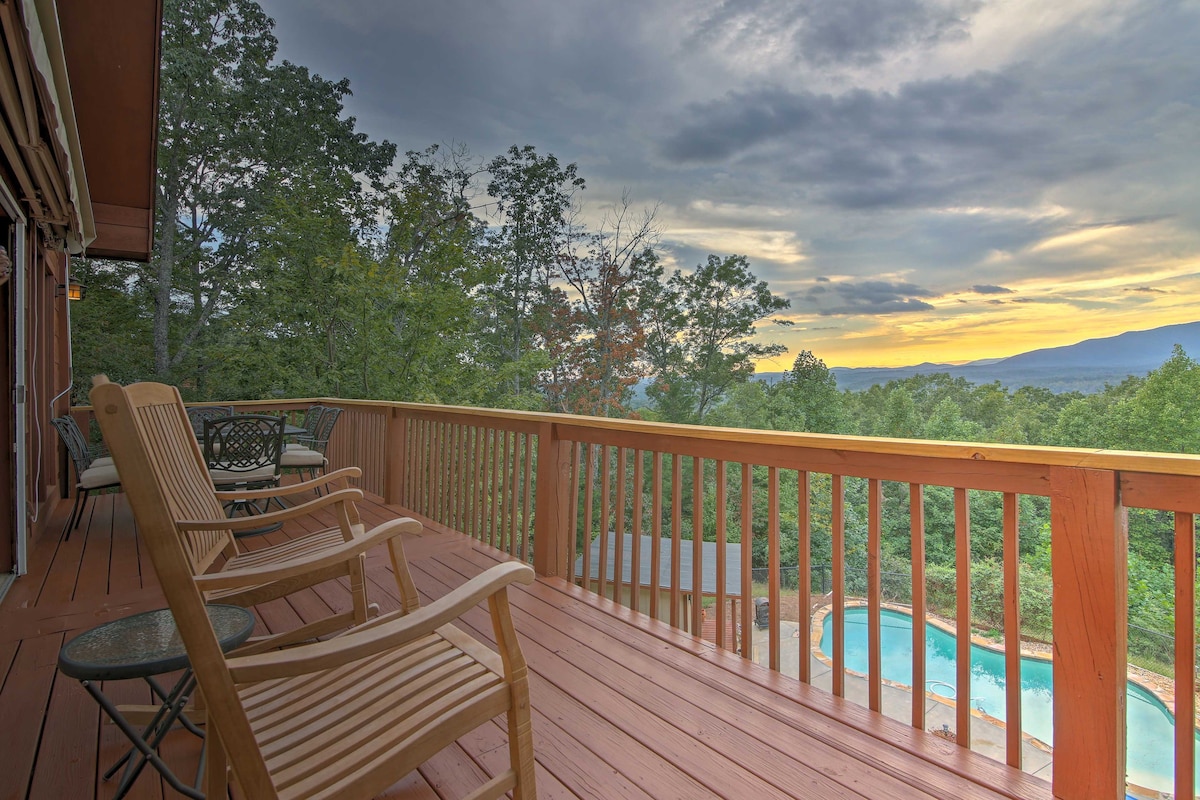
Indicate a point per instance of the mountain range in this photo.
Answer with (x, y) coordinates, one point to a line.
(1085, 367)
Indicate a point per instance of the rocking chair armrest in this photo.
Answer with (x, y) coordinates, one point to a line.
(309, 562)
(291, 488)
(270, 517)
(383, 633)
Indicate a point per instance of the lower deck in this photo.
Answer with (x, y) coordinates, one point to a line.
(623, 706)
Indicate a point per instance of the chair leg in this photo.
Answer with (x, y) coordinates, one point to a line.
(216, 765)
(73, 520)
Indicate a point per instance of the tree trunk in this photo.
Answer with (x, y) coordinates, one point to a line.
(162, 291)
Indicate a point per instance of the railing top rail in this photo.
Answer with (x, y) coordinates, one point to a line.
(664, 433)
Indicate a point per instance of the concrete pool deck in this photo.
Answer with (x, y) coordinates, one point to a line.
(987, 737)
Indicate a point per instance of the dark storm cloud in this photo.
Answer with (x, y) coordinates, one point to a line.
(821, 32)
(1146, 290)
(922, 145)
(987, 288)
(863, 298)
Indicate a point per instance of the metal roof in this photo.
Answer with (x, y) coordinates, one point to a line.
(708, 564)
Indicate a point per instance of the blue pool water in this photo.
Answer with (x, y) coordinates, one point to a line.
(1150, 739)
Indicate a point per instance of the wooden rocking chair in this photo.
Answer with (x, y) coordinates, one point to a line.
(249, 577)
(341, 718)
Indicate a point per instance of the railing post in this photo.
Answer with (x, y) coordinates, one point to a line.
(1089, 561)
(394, 458)
(551, 521)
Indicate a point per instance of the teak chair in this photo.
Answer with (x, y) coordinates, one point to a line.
(247, 578)
(341, 718)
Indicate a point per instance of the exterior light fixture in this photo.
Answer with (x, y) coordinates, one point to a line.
(73, 289)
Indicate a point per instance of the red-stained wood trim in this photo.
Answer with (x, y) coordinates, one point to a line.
(573, 527)
(496, 491)
(555, 515)
(479, 492)
(605, 519)
(1089, 563)
(722, 540)
(856, 457)
(635, 555)
(746, 641)
(676, 534)
(839, 585)
(1180, 493)
(656, 513)
(1012, 630)
(697, 545)
(962, 573)
(505, 497)
(526, 502)
(619, 529)
(916, 506)
(874, 551)
(804, 548)
(1185, 653)
(773, 643)
(589, 489)
(395, 467)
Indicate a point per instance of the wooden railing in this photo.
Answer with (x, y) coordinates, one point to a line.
(567, 492)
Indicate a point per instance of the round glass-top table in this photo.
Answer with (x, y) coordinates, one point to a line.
(142, 646)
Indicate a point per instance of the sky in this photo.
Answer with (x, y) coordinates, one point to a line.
(939, 180)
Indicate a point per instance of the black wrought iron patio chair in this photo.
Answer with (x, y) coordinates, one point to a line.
(92, 473)
(243, 452)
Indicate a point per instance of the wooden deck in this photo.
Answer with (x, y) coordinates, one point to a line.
(624, 707)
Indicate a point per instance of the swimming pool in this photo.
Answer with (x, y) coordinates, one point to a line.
(1150, 748)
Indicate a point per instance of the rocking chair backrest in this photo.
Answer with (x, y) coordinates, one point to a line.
(179, 468)
(166, 480)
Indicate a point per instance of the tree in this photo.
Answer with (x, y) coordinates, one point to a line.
(702, 335)
(597, 333)
(811, 399)
(238, 135)
(533, 204)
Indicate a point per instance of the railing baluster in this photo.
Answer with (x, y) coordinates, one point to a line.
(962, 582)
(746, 640)
(916, 512)
(773, 644)
(1012, 629)
(495, 492)
(526, 504)
(478, 460)
(635, 558)
(573, 540)
(697, 544)
(839, 586)
(804, 576)
(589, 483)
(722, 535)
(656, 512)
(619, 533)
(1185, 654)
(508, 492)
(605, 518)
(676, 533)
(435, 473)
(464, 460)
(874, 549)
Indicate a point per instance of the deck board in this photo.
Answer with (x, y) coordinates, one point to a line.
(624, 707)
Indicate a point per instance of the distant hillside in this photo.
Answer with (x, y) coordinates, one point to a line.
(1084, 367)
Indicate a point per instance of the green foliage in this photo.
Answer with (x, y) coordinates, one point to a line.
(702, 337)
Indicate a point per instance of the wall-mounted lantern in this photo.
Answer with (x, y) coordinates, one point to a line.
(73, 289)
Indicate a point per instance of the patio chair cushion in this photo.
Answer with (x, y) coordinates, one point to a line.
(302, 458)
(103, 461)
(97, 477)
(224, 477)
